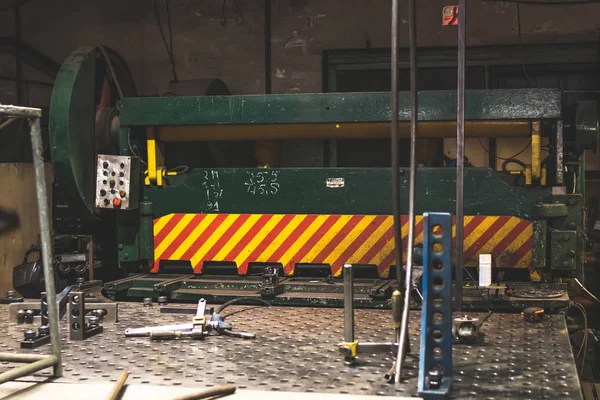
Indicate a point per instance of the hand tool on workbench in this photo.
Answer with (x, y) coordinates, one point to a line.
(197, 329)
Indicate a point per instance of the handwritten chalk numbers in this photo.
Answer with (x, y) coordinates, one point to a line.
(262, 183)
(213, 190)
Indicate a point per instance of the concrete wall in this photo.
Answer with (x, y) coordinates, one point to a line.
(301, 29)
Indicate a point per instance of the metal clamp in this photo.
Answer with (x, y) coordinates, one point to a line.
(35, 306)
(79, 329)
(435, 367)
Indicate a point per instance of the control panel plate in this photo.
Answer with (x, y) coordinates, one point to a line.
(114, 181)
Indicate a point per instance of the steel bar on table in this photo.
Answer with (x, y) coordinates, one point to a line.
(24, 358)
(460, 151)
(29, 369)
(203, 394)
(48, 266)
(348, 304)
(412, 39)
(116, 390)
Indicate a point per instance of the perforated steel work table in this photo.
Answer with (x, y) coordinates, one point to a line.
(295, 350)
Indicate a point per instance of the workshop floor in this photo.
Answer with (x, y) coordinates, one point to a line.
(295, 351)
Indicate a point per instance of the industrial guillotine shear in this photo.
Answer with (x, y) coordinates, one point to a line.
(176, 226)
(188, 231)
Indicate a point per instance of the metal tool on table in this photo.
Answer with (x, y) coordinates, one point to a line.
(34, 339)
(79, 327)
(30, 310)
(350, 347)
(465, 330)
(199, 328)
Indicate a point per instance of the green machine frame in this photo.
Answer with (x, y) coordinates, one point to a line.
(553, 200)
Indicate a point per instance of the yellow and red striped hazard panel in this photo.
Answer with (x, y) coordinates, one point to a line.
(290, 239)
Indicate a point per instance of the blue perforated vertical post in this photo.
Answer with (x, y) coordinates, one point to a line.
(435, 368)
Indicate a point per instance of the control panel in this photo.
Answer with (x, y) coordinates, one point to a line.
(117, 182)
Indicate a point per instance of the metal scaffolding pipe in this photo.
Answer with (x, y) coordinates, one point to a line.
(460, 152)
(21, 358)
(44, 218)
(29, 369)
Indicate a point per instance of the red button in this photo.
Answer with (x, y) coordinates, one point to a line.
(116, 202)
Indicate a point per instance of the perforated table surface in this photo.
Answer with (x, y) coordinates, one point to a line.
(296, 350)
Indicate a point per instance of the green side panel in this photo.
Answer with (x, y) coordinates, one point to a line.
(71, 125)
(540, 229)
(573, 225)
(563, 245)
(551, 210)
(513, 104)
(128, 221)
(339, 191)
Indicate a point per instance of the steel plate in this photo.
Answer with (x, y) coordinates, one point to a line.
(296, 350)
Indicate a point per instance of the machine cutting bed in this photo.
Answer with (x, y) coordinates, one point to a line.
(296, 350)
(327, 291)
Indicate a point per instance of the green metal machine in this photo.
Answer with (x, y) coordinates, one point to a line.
(187, 230)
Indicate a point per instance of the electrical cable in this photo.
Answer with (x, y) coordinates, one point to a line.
(512, 161)
(239, 311)
(179, 170)
(135, 153)
(170, 36)
(584, 341)
(508, 158)
(529, 81)
(584, 314)
(164, 39)
(486, 301)
(587, 291)
(237, 300)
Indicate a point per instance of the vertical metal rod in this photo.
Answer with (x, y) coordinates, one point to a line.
(395, 146)
(348, 304)
(42, 200)
(91, 258)
(460, 151)
(412, 39)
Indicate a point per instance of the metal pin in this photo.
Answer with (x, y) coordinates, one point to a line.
(348, 304)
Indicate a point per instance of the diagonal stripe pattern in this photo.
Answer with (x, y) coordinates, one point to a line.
(291, 239)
